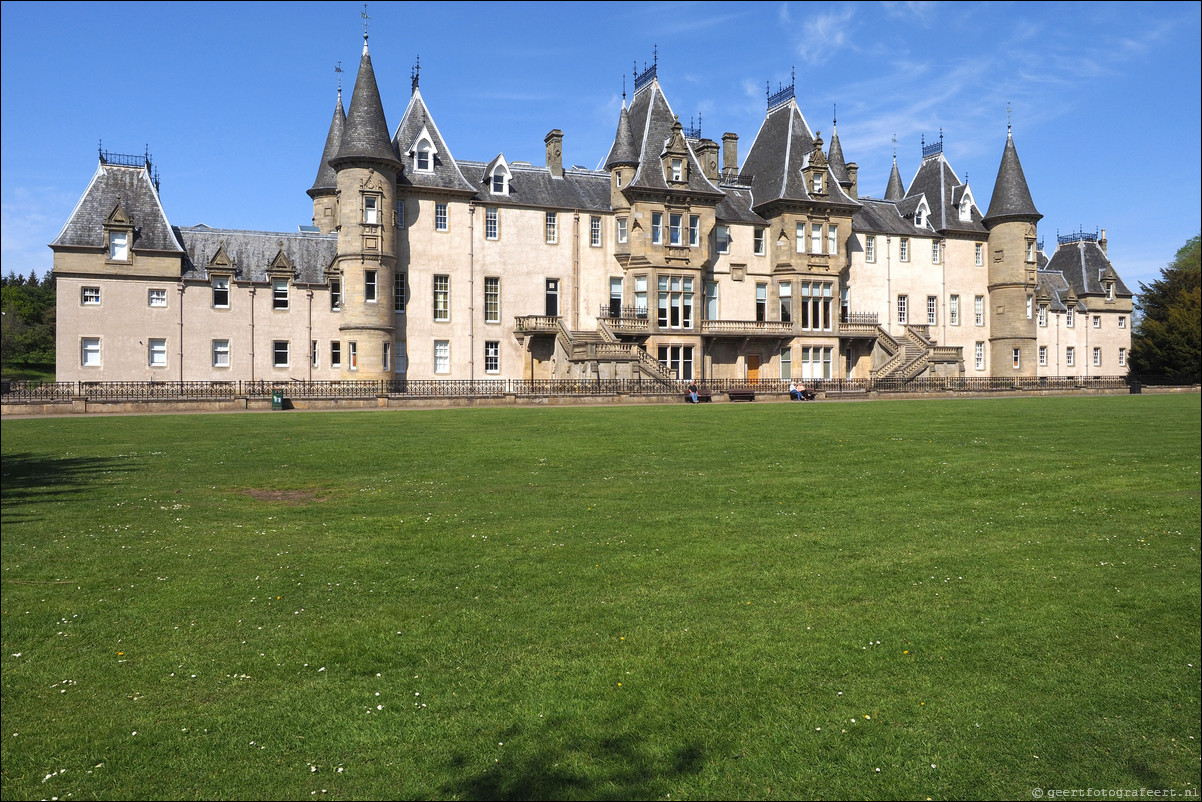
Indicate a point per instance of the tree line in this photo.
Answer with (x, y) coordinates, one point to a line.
(27, 340)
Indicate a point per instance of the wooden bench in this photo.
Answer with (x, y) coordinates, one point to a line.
(704, 396)
(741, 394)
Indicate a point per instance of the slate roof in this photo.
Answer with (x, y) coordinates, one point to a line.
(651, 122)
(780, 151)
(623, 152)
(1011, 196)
(895, 191)
(1083, 265)
(736, 208)
(365, 134)
(133, 189)
(938, 182)
(534, 186)
(253, 251)
(446, 173)
(881, 217)
(834, 159)
(1056, 288)
(327, 179)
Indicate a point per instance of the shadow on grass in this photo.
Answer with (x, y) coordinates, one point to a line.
(624, 766)
(27, 480)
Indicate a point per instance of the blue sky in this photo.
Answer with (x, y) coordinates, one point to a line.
(234, 99)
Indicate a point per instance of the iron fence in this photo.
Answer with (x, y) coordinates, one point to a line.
(35, 391)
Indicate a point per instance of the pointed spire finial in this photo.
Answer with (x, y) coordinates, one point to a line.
(338, 69)
(655, 55)
(415, 74)
(365, 19)
(1007, 119)
(941, 137)
(793, 76)
(895, 147)
(623, 91)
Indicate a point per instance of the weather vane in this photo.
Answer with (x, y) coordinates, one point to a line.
(365, 19)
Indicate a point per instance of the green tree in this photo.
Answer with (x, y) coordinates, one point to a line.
(1168, 339)
(28, 321)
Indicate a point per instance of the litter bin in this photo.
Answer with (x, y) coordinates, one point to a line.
(277, 399)
(1136, 387)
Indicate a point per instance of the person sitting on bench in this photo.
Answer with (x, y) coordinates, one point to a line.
(693, 392)
(803, 394)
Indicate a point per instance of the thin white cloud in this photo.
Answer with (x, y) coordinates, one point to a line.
(824, 35)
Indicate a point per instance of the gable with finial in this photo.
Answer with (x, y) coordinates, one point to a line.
(280, 264)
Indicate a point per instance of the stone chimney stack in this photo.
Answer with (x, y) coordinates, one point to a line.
(707, 153)
(852, 170)
(554, 142)
(730, 153)
(1102, 242)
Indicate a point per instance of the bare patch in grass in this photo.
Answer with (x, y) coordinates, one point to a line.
(293, 497)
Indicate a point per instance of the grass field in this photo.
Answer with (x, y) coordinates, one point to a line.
(947, 599)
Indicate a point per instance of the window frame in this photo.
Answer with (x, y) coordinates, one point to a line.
(220, 355)
(623, 232)
(153, 293)
(277, 351)
(953, 310)
(156, 352)
(90, 352)
(759, 241)
(722, 239)
(442, 361)
(89, 296)
(594, 231)
(657, 224)
(870, 249)
(370, 286)
(442, 298)
(442, 220)
(903, 249)
(551, 220)
(400, 291)
(280, 296)
(492, 299)
(492, 356)
(492, 223)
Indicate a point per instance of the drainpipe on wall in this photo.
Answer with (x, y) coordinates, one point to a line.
(252, 333)
(576, 269)
(309, 293)
(180, 292)
(471, 285)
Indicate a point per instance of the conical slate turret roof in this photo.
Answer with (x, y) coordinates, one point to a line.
(326, 179)
(623, 153)
(1011, 197)
(834, 159)
(365, 135)
(895, 191)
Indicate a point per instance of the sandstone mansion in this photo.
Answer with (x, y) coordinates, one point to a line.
(672, 260)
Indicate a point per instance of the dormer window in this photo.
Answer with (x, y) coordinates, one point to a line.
(423, 153)
(818, 183)
(965, 211)
(678, 169)
(498, 183)
(1109, 290)
(918, 217)
(119, 246)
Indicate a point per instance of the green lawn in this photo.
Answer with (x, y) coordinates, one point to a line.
(896, 599)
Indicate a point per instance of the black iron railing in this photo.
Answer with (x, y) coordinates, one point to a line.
(48, 392)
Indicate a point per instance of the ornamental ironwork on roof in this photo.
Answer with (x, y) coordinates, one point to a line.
(1077, 236)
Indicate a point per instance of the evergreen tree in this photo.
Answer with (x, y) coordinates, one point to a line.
(1168, 339)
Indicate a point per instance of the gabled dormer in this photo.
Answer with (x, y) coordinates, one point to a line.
(422, 153)
(221, 262)
(281, 265)
(497, 176)
(675, 158)
(1109, 280)
(922, 213)
(119, 235)
(816, 172)
(965, 206)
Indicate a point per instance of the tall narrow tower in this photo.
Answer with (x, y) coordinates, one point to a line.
(324, 191)
(1012, 219)
(366, 169)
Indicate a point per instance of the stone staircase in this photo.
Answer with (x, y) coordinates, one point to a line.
(912, 356)
(587, 350)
